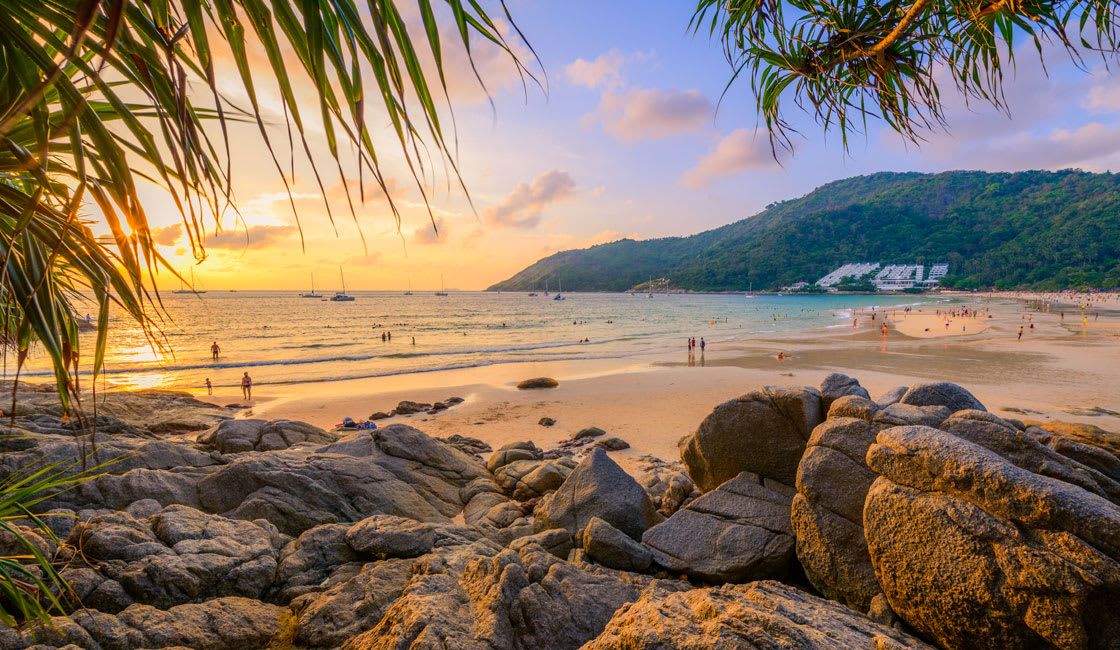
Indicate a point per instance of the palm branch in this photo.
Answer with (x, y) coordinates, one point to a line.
(97, 96)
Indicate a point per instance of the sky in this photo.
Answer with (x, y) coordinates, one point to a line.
(623, 138)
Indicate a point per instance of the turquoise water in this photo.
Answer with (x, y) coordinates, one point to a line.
(279, 337)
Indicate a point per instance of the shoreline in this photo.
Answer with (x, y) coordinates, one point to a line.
(1059, 371)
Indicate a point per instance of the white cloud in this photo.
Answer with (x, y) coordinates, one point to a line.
(738, 151)
(167, 236)
(523, 207)
(605, 70)
(431, 234)
(253, 237)
(653, 114)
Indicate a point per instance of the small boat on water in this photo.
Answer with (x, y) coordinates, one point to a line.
(409, 292)
(312, 293)
(532, 293)
(342, 296)
(442, 291)
(558, 295)
(183, 289)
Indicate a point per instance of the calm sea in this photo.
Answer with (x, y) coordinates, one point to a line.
(279, 337)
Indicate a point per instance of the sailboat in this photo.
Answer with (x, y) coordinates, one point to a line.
(312, 293)
(182, 289)
(558, 291)
(341, 296)
(441, 291)
(546, 287)
(650, 286)
(409, 292)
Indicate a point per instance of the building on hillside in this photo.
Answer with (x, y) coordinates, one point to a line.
(854, 270)
(892, 277)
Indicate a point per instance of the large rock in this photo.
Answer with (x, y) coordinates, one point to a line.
(740, 531)
(942, 393)
(232, 436)
(613, 548)
(469, 595)
(297, 493)
(391, 536)
(435, 470)
(973, 551)
(763, 432)
(221, 624)
(827, 513)
(836, 386)
(538, 382)
(307, 561)
(530, 479)
(598, 487)
(396, 470)
(177, 556)
(756, 616)
(1026, 449)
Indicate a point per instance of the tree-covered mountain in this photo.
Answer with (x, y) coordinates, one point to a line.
(1043, 230)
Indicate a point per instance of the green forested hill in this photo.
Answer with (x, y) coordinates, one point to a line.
(1044, 230)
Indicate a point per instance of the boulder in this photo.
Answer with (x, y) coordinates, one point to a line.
(556, 541)
(1026, 450)
(836, 386)
(386, 535)
(756, 616)
(232, 436)
(307, 561)
(737, 532)
(531, 479)
(379, 415)
(611, 547)
(538, 382)
(407, 407)
(178, 556)
(512, 452)
(297, 493)
(612, 444)
(763, 432)
(827, 512)
(467, 445)
(973, 551)
(546, 422)
(942, 393)
(484, 598)
(348, 604)
(597, 487)
(588, 432)
(434, 470)
(892, 396)
(221, 624)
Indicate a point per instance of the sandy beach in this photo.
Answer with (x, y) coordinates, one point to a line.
(1061, 370)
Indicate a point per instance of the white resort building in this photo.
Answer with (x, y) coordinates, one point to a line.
(892, 277)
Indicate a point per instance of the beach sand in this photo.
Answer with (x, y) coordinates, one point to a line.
(1059, 371)
(926, 326)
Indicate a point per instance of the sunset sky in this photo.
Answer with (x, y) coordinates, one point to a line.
(626, 142)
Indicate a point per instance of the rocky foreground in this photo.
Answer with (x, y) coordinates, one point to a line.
(798, 518)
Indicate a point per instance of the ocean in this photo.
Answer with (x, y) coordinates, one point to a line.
(279, 337)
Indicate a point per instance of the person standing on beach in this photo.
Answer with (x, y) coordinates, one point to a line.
(390, 336)
(247, 386)
(702, 344)
(209, 387)
(214, 350)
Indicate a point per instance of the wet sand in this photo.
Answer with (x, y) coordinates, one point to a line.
(1060, 371)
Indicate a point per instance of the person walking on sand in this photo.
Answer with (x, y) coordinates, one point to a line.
(1020, 333)
(247, 386)
(209, 387)
(214, 350)
(702, 345)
